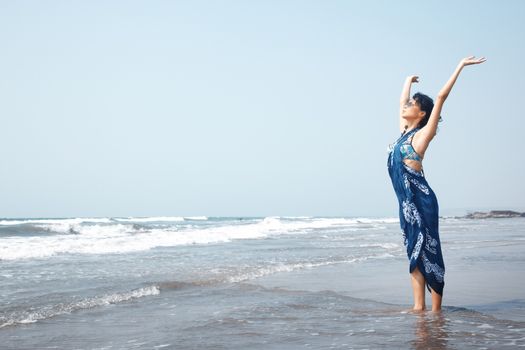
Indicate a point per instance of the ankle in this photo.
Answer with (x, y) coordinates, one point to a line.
(419, 307)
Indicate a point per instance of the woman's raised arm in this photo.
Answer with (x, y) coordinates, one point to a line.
(405, 96)
(429, 131)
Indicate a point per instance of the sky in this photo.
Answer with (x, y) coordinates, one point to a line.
(252, 108)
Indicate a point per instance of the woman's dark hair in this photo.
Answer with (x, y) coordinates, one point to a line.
(426, 104)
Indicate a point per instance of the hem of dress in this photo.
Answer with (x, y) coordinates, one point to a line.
(437, 287)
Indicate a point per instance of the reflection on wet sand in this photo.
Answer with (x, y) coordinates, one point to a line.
(430, 331)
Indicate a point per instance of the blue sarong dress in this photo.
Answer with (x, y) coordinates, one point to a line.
(418, 214)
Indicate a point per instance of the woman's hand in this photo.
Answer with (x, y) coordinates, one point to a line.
(472, 60)
(413, 78)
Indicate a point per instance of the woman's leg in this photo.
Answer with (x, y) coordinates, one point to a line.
(436, 301)
(418, 285)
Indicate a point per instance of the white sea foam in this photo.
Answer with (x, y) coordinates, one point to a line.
(270, 270)
(377, 220)
(91, 230)
(78, 238)
(297, 217)
(201, 218)
(71, 221)
(151, 219)
(45, 312)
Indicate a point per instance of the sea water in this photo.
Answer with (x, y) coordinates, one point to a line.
(253, 283)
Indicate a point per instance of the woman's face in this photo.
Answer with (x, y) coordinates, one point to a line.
(411, 110)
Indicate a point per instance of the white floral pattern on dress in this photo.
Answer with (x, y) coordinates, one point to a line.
(391, 149)
(435, 269)
(430, 243)
(420, 186)
(411, 213)
(405, 239)
(405, 180)
(417, 247)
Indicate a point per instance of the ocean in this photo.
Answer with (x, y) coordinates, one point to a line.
(253, 283)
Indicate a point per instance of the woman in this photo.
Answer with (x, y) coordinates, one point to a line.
(418, 206)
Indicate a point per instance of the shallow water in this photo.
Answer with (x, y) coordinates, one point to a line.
(269, 283)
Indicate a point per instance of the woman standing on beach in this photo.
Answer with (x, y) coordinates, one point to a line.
(418, 206)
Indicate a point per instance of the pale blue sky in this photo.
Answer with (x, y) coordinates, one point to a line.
(239, 108)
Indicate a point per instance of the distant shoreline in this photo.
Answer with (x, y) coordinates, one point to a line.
(492, 214)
